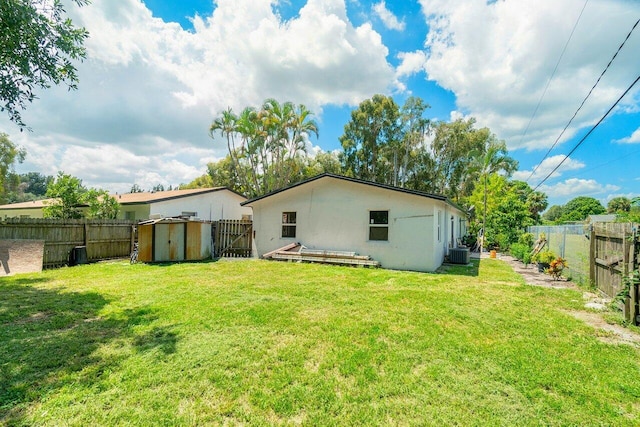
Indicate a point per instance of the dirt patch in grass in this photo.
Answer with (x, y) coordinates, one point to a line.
(605, 331)
(613, 334)
(533, 277)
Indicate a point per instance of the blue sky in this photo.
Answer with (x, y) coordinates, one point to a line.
(159, 71)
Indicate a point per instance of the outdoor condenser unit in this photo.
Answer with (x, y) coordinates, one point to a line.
(459, 255)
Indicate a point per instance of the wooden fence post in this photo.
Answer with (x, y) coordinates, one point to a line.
(592, 257)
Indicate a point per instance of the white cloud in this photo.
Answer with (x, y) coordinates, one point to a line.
(148, 89)
(497, 58)
(411, 63)
(634, 138)
(387, 17)
(577, 187)
(545, 168)
(629, 196)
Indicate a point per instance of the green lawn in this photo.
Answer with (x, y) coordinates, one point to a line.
(263, 343)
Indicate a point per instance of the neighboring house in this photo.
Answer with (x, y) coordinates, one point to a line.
(204, 203)
(400, 228)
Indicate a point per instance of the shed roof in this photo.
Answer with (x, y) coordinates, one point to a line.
(131, 198)
(602, 218)
(357, 181)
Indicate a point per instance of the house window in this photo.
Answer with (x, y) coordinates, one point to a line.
(130, 215)
(288, 224)
(379, 225)
(439, 226)
(188, 214)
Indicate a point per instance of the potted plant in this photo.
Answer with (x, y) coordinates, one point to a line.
(556, 266)
(543, 259)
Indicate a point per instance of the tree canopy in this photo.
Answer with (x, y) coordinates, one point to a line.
(37, 46)
(69, 195)
(10, 154)
(264, 144)
(619, 204)
(579, 208)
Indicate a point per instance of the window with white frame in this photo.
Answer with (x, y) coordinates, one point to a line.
(379, 225)
(439, 226)
(288, 224)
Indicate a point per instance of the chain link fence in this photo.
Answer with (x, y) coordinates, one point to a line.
(571, 242)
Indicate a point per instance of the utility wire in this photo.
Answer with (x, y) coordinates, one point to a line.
(584, 100)
(589, 133)
(584, 172)
(553, 73)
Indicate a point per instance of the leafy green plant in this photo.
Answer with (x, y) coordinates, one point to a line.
(519, 250)
(527, 239)
(544, 257)
(632, 279)
(556, 267)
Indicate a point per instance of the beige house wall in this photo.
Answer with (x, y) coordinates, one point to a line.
(212, 206)
(22, 213)
(222, 204)
(333, 214)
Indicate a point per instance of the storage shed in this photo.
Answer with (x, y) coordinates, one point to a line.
(174, 239)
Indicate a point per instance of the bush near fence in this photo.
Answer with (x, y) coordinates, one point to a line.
(104, 239)
(570, 242)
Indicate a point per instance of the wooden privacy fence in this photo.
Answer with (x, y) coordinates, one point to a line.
(614, 254)
(232, 238)
(103, 239)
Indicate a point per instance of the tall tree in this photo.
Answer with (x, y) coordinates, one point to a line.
(415, 128)
(493, 158)
(371, 138)
(452, 149)
(37, 46)
(264, 144)
(553, 213)
(36, 183)
(511, 206)
(619, 204)
(10, 154)
(579, 208)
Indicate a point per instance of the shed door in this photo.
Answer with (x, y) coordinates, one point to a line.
(145, 243)
(169, 242)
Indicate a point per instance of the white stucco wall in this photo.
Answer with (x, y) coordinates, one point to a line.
(222, 204)
(334, 214)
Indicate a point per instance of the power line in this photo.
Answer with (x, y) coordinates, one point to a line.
(589, 133)
(583, 172)
(584, 100)
(553, 73)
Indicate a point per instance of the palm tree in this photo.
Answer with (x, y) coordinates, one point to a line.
(494, 159)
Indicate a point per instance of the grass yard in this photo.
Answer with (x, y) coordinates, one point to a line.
(264, 343)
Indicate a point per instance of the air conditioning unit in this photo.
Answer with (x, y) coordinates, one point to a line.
(459, 255)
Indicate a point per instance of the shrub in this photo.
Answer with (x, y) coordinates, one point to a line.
(519, 250)
(544, 257)
(527, 239)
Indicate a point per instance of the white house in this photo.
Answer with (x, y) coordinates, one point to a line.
(400, 228)
(205, 203)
